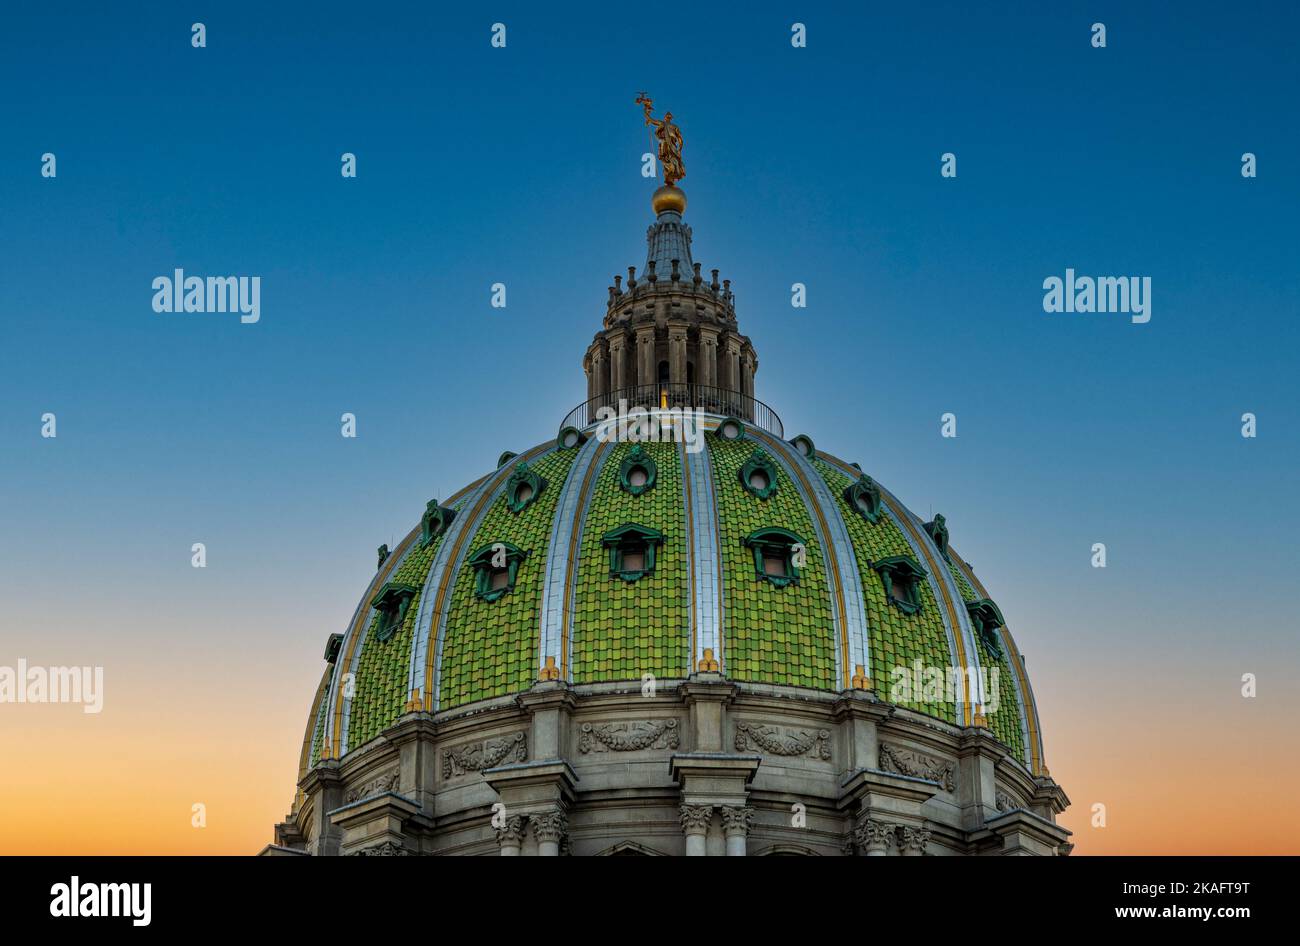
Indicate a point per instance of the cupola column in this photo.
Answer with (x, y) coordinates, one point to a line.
(731, 363)
(747, 372)
(707, 365)
(617, 362)
(645, 355)
(677, 352)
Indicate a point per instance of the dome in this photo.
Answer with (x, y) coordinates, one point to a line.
(427, 636)
(663, 626)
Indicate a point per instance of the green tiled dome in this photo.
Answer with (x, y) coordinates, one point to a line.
(567, 609)
(598, 561)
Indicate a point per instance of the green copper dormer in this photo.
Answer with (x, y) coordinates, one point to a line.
(863, 498)
(632, 550)
(496, 567)
(902, 577)
(986, 618)
(937, 530)
(638, 471)
(434, 522)
(392, 601)
(778, 555)
(523, 487)
(758, 475)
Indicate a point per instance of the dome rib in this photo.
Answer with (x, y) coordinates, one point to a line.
(852, 626)
(561, 554)
(704, 559)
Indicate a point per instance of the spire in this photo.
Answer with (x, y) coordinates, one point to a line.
(669, 238)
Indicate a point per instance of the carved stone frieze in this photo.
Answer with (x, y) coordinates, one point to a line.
(387, 849)
(376, 786)
(783, 740)
(484, 754)
(917, 765)
(629, 736)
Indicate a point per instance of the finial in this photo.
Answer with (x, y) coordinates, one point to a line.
(698, 278)
(618, 285)
(714, 285)
(631, 278)
(652, 275)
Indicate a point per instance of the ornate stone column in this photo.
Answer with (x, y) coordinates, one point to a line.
(874, 838)
(645, 355)
(695, 825)
(707, 364)
(617, 361)
(511, 836)
(677, 352)
(550, 829)
(735, 824)
(731, 363)
(914, 841)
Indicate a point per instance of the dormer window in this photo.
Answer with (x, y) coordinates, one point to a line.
(496, 567)
(778, 555)
(569, 438)
(638, 472)
(803, 443)
(986, 618)
(391, 603)
(632, 550)
(434, 522)
(523, 488)
(937, 530)
(863, 498)
(901, 576)
(758, 475)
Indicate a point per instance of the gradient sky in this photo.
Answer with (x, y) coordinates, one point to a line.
(522, 165)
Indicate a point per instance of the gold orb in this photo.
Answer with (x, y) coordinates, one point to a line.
(669, 197)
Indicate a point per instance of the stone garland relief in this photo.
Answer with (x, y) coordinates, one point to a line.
(916, 765)
(784, 741)
(629, 736)
(484, 754)
(376, 786)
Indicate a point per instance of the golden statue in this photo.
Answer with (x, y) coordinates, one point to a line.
(670, 141)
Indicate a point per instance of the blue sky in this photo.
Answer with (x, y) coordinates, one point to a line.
(522, 165)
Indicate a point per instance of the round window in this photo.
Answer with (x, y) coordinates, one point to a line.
(758, 481)
(637, 477)
(523, 493)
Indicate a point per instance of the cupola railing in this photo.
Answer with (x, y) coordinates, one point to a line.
(676, 396)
